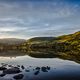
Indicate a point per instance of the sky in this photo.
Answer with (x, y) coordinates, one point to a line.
(33, 18)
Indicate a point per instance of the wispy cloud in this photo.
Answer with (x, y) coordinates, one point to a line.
(27, 19)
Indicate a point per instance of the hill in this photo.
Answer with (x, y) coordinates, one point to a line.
(70, 37)
(40, 39)
(60, 43)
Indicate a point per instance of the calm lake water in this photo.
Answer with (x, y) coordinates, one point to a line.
(41, 68)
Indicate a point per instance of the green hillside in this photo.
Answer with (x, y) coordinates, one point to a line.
(40, 39)
(60, 43)
(70, 37)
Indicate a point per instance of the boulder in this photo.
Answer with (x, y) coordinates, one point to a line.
(2, 75)
(44, 69)
(19, 76)
(13, 70)
(2, 68)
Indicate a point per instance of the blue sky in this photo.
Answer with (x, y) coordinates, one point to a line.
(31, 18)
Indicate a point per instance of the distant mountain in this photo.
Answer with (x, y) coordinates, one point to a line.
(40, 39)
(11, 41)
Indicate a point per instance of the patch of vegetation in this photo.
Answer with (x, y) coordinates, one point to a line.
(62, 43)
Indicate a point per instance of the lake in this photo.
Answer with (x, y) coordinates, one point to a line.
(33, 68)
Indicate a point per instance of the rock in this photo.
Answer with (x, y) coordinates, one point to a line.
(37, 72)
(37, 68)
(22, 67)
(19, 76)
(48, 67)
(10, 66)
(13, 70)
(18, 65)
(2, 75)
(44, 69)
(2, 68)
(27, 70)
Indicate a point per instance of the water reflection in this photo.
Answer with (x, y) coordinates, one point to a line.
(42, 65)
(42, 53)
(21, 72)
(11, 53)
(69, 55)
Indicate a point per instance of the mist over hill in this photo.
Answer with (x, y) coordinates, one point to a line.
(12, 41)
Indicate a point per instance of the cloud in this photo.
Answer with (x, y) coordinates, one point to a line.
(27, 19)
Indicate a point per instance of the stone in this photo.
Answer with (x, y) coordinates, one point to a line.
(37, 72)
(22, 67)
(2, 75)
(2, 68)
(13, 70)
(44, 69)
(37, 68)
(19, 76)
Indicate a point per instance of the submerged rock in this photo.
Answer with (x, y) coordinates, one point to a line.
(44, 69)
(37, 72)
(37, 68)
(19, 76)
(22, 67)
(48, 68)
(27, 70)
(2, 75)
(13, 70)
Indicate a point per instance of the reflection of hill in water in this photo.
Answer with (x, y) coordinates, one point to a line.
(68, 55)
(44, 53)
(11, 53)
